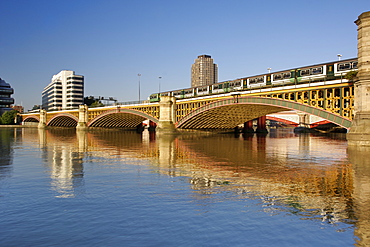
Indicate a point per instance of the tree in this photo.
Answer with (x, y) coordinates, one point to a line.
(8, 117)
(96, 104)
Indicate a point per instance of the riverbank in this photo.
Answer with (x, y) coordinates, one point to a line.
(18, 126)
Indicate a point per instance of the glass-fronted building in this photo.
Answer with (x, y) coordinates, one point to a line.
(5, 96)
(65, 92)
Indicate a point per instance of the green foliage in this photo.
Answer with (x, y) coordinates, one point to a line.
(89, 100)
(351, 75)
(92, 102)
(96, 104)
(8, 117)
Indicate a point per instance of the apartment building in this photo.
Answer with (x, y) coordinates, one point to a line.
(203, 71)
(65, 91)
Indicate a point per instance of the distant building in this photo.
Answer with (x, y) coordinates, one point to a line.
(5, 100)
(65, 91)
(18, 108)
(203, 71)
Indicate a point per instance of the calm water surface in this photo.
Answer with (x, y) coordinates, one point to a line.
(120, 188)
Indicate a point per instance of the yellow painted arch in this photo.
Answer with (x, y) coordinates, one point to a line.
(228, 113)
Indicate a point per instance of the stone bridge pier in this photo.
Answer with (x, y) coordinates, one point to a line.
(83, 117)
(359, 134)
(167, 115)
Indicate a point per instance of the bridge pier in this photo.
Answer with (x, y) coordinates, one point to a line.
(167, 115)
(248, 127)
(82, 117)
(42, 122)
(359, 134)
(261, 125)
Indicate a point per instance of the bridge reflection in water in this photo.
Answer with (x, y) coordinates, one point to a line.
(317, 178)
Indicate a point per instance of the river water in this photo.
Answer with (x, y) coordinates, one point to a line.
(59, 187)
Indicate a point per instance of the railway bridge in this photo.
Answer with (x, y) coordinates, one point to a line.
(331, 100)
(345, 103)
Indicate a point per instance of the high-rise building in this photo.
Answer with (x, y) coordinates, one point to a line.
(5, 100)
(65, 91)
(203, 71)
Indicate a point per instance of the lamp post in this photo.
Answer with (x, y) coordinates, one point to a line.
(159, 84)
(339, 57)
(139, 86)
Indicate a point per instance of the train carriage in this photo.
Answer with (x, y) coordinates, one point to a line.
(282, 78)
(343, 67)
(236, 85)
(203, 90)
(154, 97)
(222, 87)
(314, 73)
(256, 82)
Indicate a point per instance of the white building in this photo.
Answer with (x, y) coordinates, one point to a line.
(65, 91)
(203, 71)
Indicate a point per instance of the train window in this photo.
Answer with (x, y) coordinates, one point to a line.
(354, 65)
(305, 72)
(344, 66)
(286, 75)
(316, 71)
(260, 79)
(252, 81)
(278, 77)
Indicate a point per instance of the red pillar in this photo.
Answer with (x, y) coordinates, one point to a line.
(152, 126)
(261, 125)
(248, 127)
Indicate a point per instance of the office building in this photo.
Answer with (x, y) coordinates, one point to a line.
(5, 100)
(203, 71)
(65, 92)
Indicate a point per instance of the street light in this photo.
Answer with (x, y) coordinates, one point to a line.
(159, 85)
(139, 85)
(269, 70)
(339, 57)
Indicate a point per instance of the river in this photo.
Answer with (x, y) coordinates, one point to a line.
(59, 187)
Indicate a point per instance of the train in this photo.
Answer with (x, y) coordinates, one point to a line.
(307, 74)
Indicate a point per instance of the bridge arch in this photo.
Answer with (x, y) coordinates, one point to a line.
(120, 118)
(228, 113)
(31, 119)
(63, 120)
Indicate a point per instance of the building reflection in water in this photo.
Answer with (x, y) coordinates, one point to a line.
(63, 155)
(309, 176)
(7, 137)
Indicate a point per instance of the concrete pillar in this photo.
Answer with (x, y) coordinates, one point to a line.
(359, 134)
(167, 107)
(248, 127)
(42, 123)
(261, 125)
(83, 117)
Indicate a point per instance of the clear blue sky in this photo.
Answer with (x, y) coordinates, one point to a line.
(111, 41)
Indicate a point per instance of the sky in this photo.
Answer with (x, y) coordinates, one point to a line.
(110, 42)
